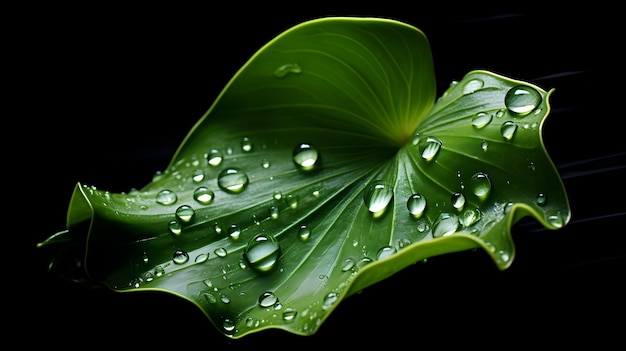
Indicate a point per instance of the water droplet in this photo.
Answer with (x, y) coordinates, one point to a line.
(175, 227)
(305, 156)
(204, 195)
(265, 163)
(215, 157)
(377, 197)
(416, 205)
(541, 199)
(429, 148)
(166, 197)
(289, 68)
(185, 213)
(480, 185)
(232, 180)
(224, 298)
(458, 201)
(348, 264)
(385, 252)
(446, 224)
(470, 217)
(262, 252)
(289, 314)
(277, 195)
(159, 271)
(484, 145)
(304, 232)
(508, 130)
(472, 85)
(274, 212)
(198, 175)
(554, 218)
(234, 231)
(228, 325)
(330, 300)
(267, 299)
(292, 201)
(180, 257)
(210, 298)
(246, 144)
(481, 119)
(220, 252)
(522, 99)
(203, 257)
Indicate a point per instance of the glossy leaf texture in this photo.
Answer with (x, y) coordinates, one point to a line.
(326, 165)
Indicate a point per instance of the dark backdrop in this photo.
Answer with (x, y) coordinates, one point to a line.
(106, 94)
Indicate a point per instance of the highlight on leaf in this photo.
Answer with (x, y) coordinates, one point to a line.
(326, 165)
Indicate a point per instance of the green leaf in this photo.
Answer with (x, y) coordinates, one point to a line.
(325, 166)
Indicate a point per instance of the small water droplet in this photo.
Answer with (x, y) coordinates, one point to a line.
(480, 185)
(508, 129)
(274, 212)
(203, 257)
(180, 257)
(267, 299)
(215, 157)
(265, 163)
(175, 227)
(289, 314)
(446, 224)
(555, 218)
(541, 199)
(210, 298)
(377, 197)
(330, 300)
(198, 175)
(159, 271)
(348, 264)
(246, 144)
(472, 85)
(234, 231)
(185, 213)
(289, 68)
(522, 99)
(481, 119)
(484, 145)
(416, 205)
(305, 156)
(166, 197)
(228, 325)
(262, 252)
(292, 201)
(429, 148)
(458, 200)
(470, 217)
(304, 232)
(220, 252)
(232, 180)
(204, 195)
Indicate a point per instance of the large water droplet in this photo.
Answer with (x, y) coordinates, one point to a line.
(508, 130)
(305, 156)
(472, 85)
(185, 213)
(262, 252)
(289, 68)
(429, 147)
(480, 185)
(481, 119)
(204, 195)
(522, 99)
(416, 205)
(377, 197)
(232, 180)
(166, 197)
(470, 217)
(267, 299)
(446, 224)
(180, 257)
(215, 157)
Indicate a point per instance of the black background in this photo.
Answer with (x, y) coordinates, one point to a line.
(104, 95)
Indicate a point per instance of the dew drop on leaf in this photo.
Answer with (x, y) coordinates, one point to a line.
(508, 130)
(286, 69)
(480, 184)
(185, 213)
(204, 195)
(522, 99)
(429, 147)
(385, 252)
(232, 180)
(377, 197)
(215, 157)
(481, 119)
(304, 232)
(234, 232)
(289, 314)
(416, 204)
(305, 156)
(180, 257)
(446, 224)
(262, 253)
(175, 227)
(198, 175)
(166, 197)
(472, 85)
(267, 299)
(458, 200)
(246, 144)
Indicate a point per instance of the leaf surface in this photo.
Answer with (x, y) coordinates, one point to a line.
(325, 165)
